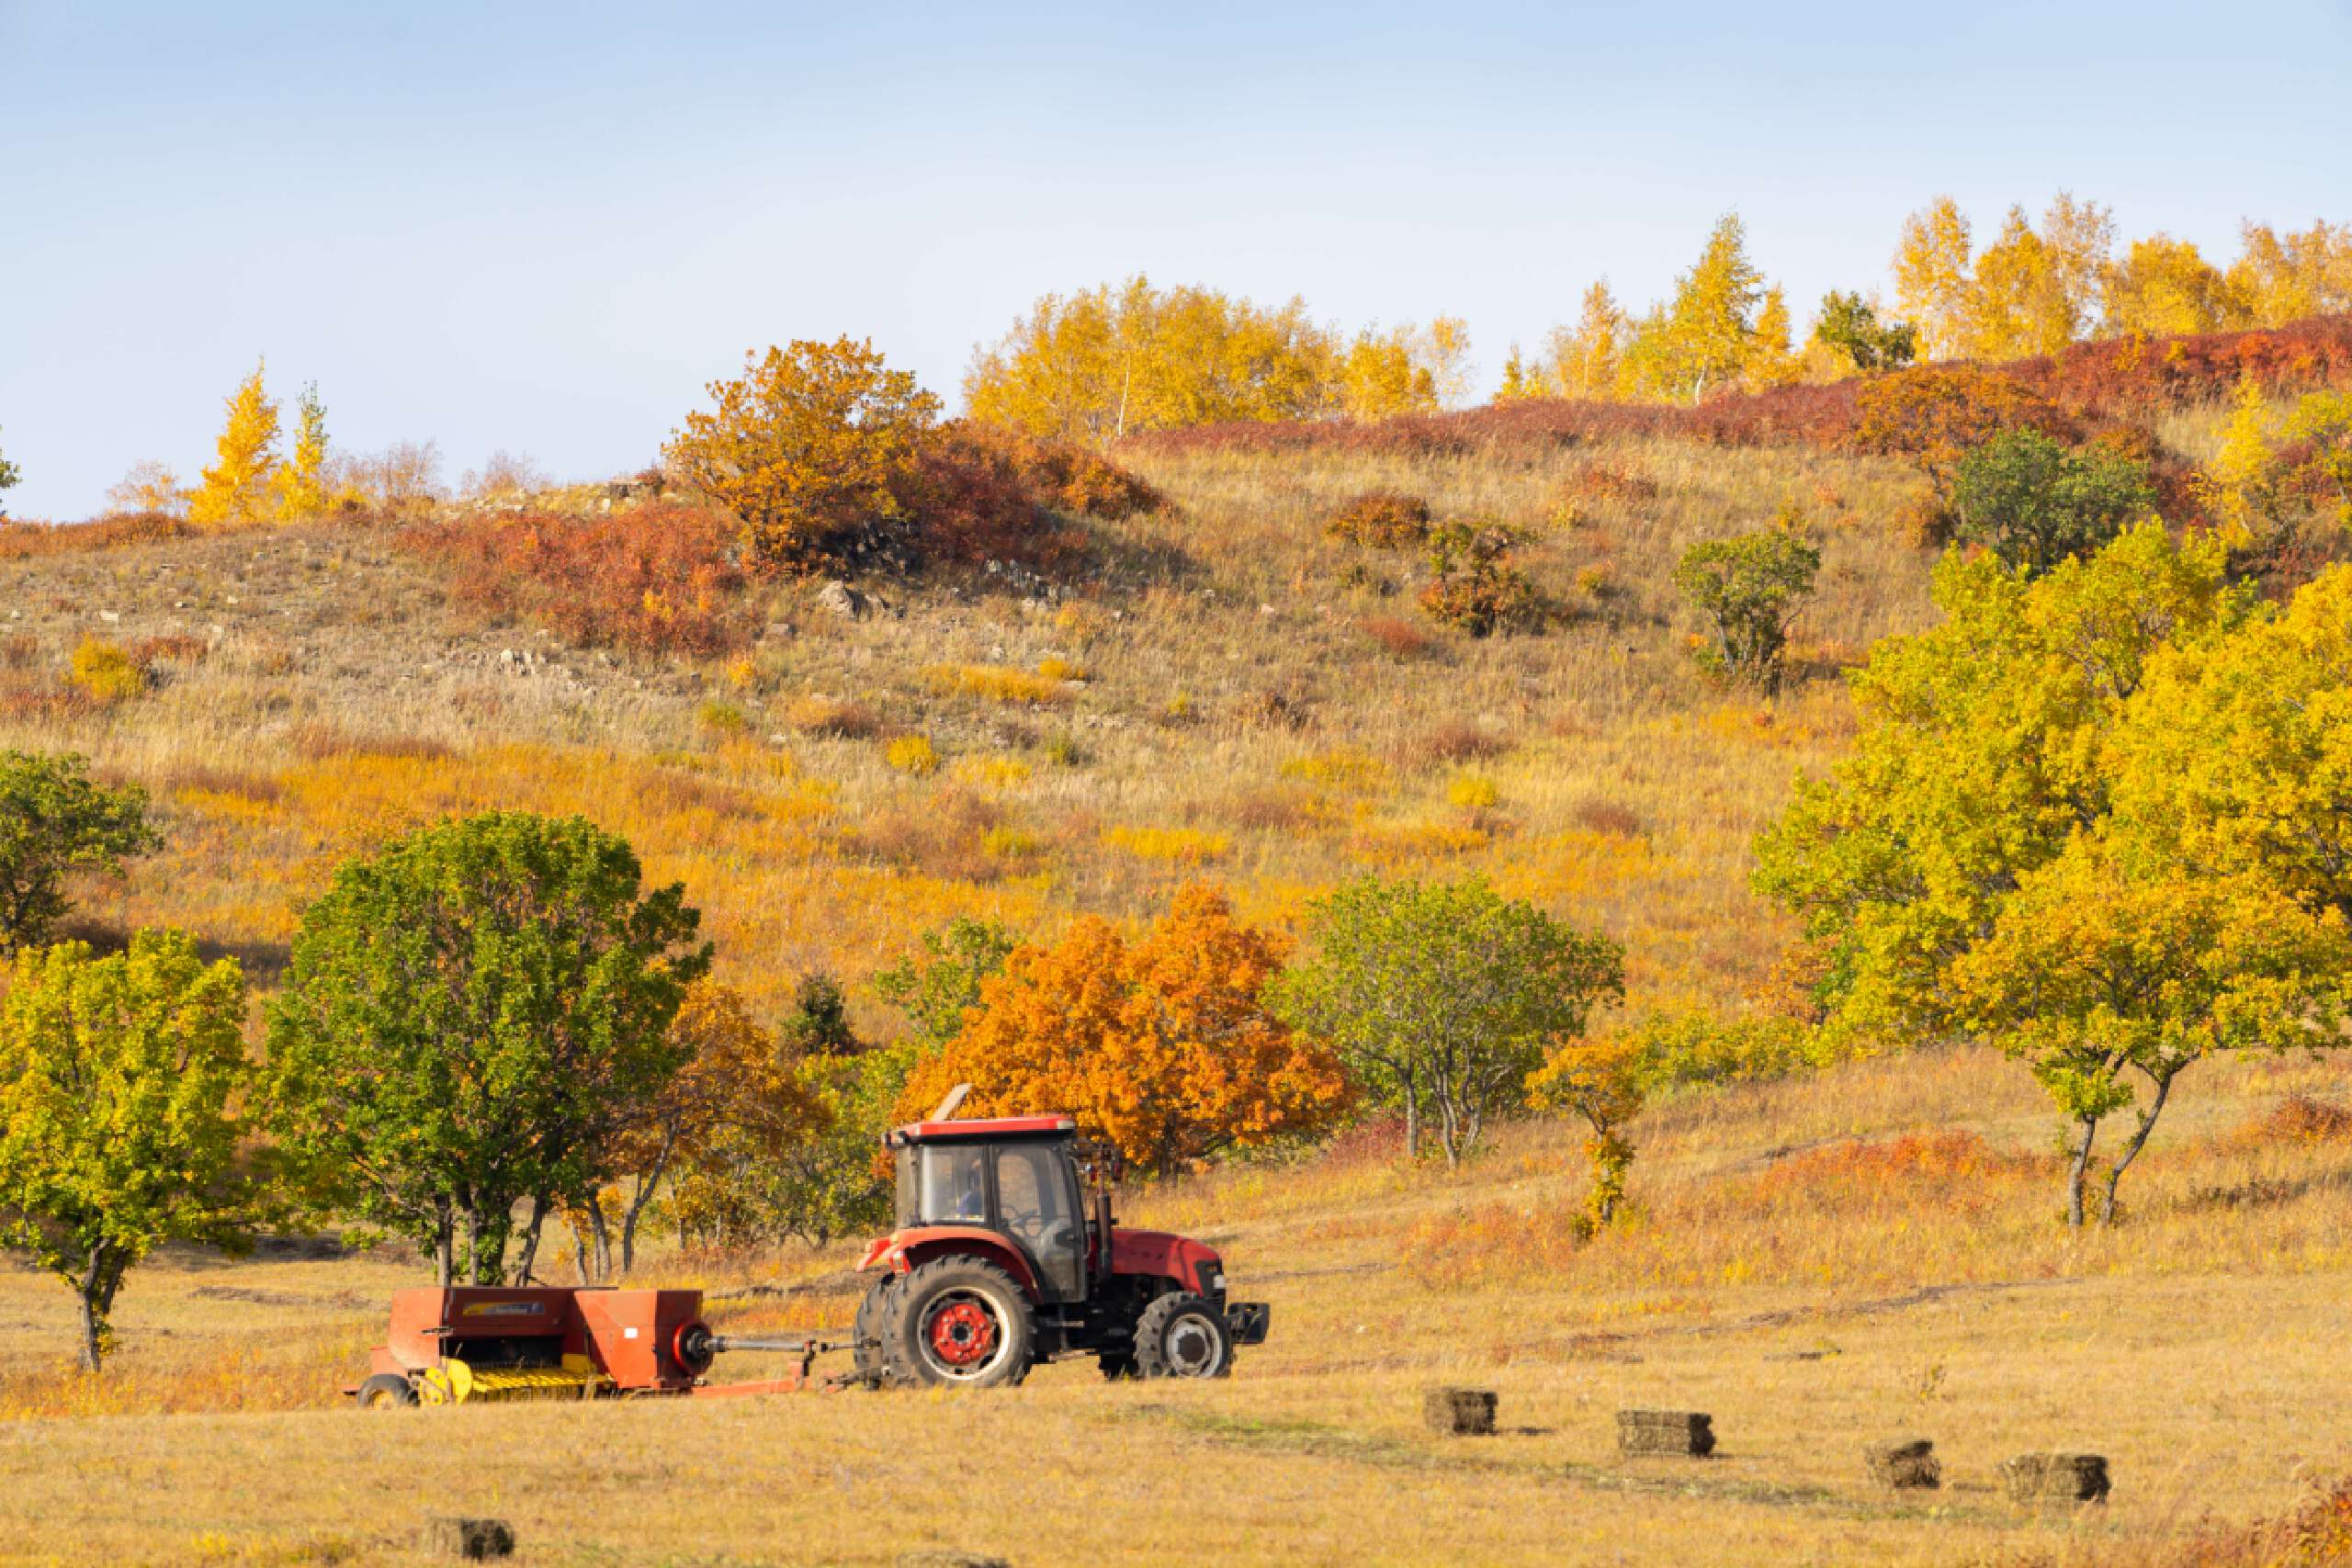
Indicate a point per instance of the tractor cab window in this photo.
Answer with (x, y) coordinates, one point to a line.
(953, 1190)
(1032, 1195)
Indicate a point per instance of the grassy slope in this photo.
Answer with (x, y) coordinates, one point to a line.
(1774, 1276)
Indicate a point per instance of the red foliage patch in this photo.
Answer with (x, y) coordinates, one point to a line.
(21, 540)
(662, 577)
(2112, 381)
(1951, 1169)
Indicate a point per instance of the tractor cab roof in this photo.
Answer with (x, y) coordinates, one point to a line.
(982, 1128)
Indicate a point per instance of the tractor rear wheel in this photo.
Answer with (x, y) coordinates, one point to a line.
(873, 1318)
(1182, 1336)
(386, 1390)
(958, 1322)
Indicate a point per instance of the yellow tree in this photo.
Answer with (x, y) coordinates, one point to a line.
(1772, 362)
(300, 484)
(1442, 360)
(236, 489)
(1377, 377)
(1705, 337)
(2163, 286)
(2240, 487)
(1932, 282)
(150, 486)
(1602, 1080)
(1522, 380)
(1584, 359)
(2079, 238)
(2019, 304)
(2284, 278)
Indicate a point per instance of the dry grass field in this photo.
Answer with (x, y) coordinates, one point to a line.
(1872, 1251)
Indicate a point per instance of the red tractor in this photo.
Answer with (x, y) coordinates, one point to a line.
(999, 1263)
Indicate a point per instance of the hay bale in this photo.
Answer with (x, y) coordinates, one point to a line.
(1460, 1411)
(949, 1560)
(1684, 1432)
(2056, 1478)
(473, 1539)
(1903, 1462)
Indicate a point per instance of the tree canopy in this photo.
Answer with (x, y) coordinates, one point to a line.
(55, 822)
(470, 1015)
(1441, 997)
(118, 1078)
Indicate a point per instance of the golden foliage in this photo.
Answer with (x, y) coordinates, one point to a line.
(236, 489)
(814, 447)
(1162, 1049)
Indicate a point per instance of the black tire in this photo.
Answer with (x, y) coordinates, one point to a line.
(385, 1390)
(873, 1321)
(958, 1322)
(1182, 1336)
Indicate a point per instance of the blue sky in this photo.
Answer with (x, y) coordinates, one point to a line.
(544, 228)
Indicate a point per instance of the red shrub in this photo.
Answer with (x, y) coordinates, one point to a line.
(660, 577)
(1070, 479)
(20, 541)
(1950, 1169)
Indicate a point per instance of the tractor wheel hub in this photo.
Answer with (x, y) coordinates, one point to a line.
(962, 1334)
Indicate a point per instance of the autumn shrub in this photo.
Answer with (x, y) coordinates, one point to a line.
(1179, 846)
(2299, 1119)
(1749, 589)
(1456, 740)
(1934, 416)
(659, 578)
(1950, 1169)
(1475, 588)
(814, 448)
(832, 718)
(912, 754)
(722, 717)
(2032, 502)
(1383, 519)
(106, 672)
(1161, 1048)
(1398, 638)
(997, 683)
(1610, 483)
(1069, 477)
(1695, 1047)
(20, 541)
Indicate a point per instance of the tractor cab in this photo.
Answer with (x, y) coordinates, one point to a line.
(1002, 1259)
(1015, 1177)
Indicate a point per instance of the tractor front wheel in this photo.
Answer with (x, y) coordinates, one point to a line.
(958, 1323)
(873, 1321)
(386, 1390)
(1182, 1336)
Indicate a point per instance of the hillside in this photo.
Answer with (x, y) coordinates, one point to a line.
(1225, 692)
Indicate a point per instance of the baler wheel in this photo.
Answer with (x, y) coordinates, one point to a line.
(1184, 1336)
(958, 1322)
(873, 1322)
(386, 1390)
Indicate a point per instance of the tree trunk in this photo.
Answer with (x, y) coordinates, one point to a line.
(540, 1203)
(1412, 1121)
(602, 1233)
(2076, 1169)
(2139, 1141)
(95, 1294)
(444, 1243)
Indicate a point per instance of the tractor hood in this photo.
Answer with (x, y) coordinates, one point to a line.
(1161, 1256)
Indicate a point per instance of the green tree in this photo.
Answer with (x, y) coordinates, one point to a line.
(470, 1017)
(1850, 323)
(1750, 588)
(1441, 997)
(2033, 504)
(55, 822)
(935, 991)
(2107, 983)
(1981, 754)
(117, 1079)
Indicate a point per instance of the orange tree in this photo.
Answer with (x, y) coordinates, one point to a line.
(815, 447)
(1161, 1048)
